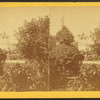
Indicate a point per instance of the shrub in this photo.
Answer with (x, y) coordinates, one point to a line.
(92, 78)
(26, 77)
(3, 56)
(87, 80)
(64, 62)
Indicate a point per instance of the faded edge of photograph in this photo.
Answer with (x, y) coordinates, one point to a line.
(49, 49)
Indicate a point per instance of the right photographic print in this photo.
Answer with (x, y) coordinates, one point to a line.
(74, 49)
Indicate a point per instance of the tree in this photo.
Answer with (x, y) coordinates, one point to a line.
(64, 36)
(33, 39)
(33, 45)
(65, 59)
(95, 36)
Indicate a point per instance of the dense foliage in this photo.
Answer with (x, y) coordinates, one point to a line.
(32, 44)
(33, 39)
(65, 62)
(65, 59)
(64, 36)
(95, 35)
(49, 66)
(3, 56)
(87, 80)
(94, 53)
(91, 56)
(25, 77)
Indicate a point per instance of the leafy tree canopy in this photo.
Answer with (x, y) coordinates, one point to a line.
(95, 35)
(65, 61)
(33, 39)
(67, 57)
(64, 36)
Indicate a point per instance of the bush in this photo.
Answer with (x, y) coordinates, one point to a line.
(88, 79)
(91, 56)
(25, 77)
(3, 56)
(91, 78)
(64, 62)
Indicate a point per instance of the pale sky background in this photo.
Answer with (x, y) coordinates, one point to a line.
(77, 19)
(12, 18)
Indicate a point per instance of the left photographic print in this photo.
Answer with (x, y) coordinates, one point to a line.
(24, 49)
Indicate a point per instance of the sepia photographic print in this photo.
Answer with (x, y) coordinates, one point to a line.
(49, 49)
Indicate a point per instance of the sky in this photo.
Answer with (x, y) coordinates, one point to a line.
(77, 19)
(12, 18)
